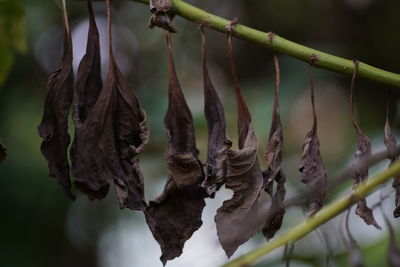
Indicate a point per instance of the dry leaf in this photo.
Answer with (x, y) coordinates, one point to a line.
(53, 128)
(391, 146)
(363, 154)
(274, 173)
(235, 219)
(218, 142)
(311, 166)
(276, 212)
(175, 215)
(89, 178)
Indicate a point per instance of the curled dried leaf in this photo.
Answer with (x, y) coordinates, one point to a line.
(218, 142)
(393, 155)
(89, 178)
(238, 218)
(276, 212)
(3, 152)
(175, 215)
(53, 128)
(88, 84)
(274, 173)
(126, 122)
(162, 15)
(363, 154)
(311, 166)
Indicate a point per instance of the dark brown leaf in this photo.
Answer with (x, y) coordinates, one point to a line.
(391, 146)
(274, 173)
(88, 84)
(277, 211)
(366, 213)
(176, 214)
(363, 154)
(218, 142)
(311, 166)
(3, 152)
(235, 218)
(89, 180)
(53, 128)
(162, 15)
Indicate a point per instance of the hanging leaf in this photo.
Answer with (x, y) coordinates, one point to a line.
(393, 155)
(3, 152)
(162, 15)
(313, 173)
(274, 173)
(363, 154)
(236, 219)
(89, 178)
(53, 128)
(218, 142)
(175, 215)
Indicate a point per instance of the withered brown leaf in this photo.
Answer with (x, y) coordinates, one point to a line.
(162, 15)
(363, 154)
(175, 215)
(3, 152)
(393, 155)
(311, 166)
(236, 219)
(114, 132)
(53, 128)
(274, 173)
(88, 87)
(218, 142)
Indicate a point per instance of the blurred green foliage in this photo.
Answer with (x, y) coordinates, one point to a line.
(13, 35)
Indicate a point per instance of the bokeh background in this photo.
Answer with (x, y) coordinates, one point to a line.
(39, 226)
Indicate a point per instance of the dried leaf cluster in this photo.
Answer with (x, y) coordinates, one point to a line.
(111, 131)
(110, 127)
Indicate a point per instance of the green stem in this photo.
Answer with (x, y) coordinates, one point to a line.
(275, 42)
(318, 219)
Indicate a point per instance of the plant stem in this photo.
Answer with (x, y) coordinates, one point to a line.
(276, 43)
(318, 219)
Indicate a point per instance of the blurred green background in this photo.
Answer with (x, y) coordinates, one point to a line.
(40, 227)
